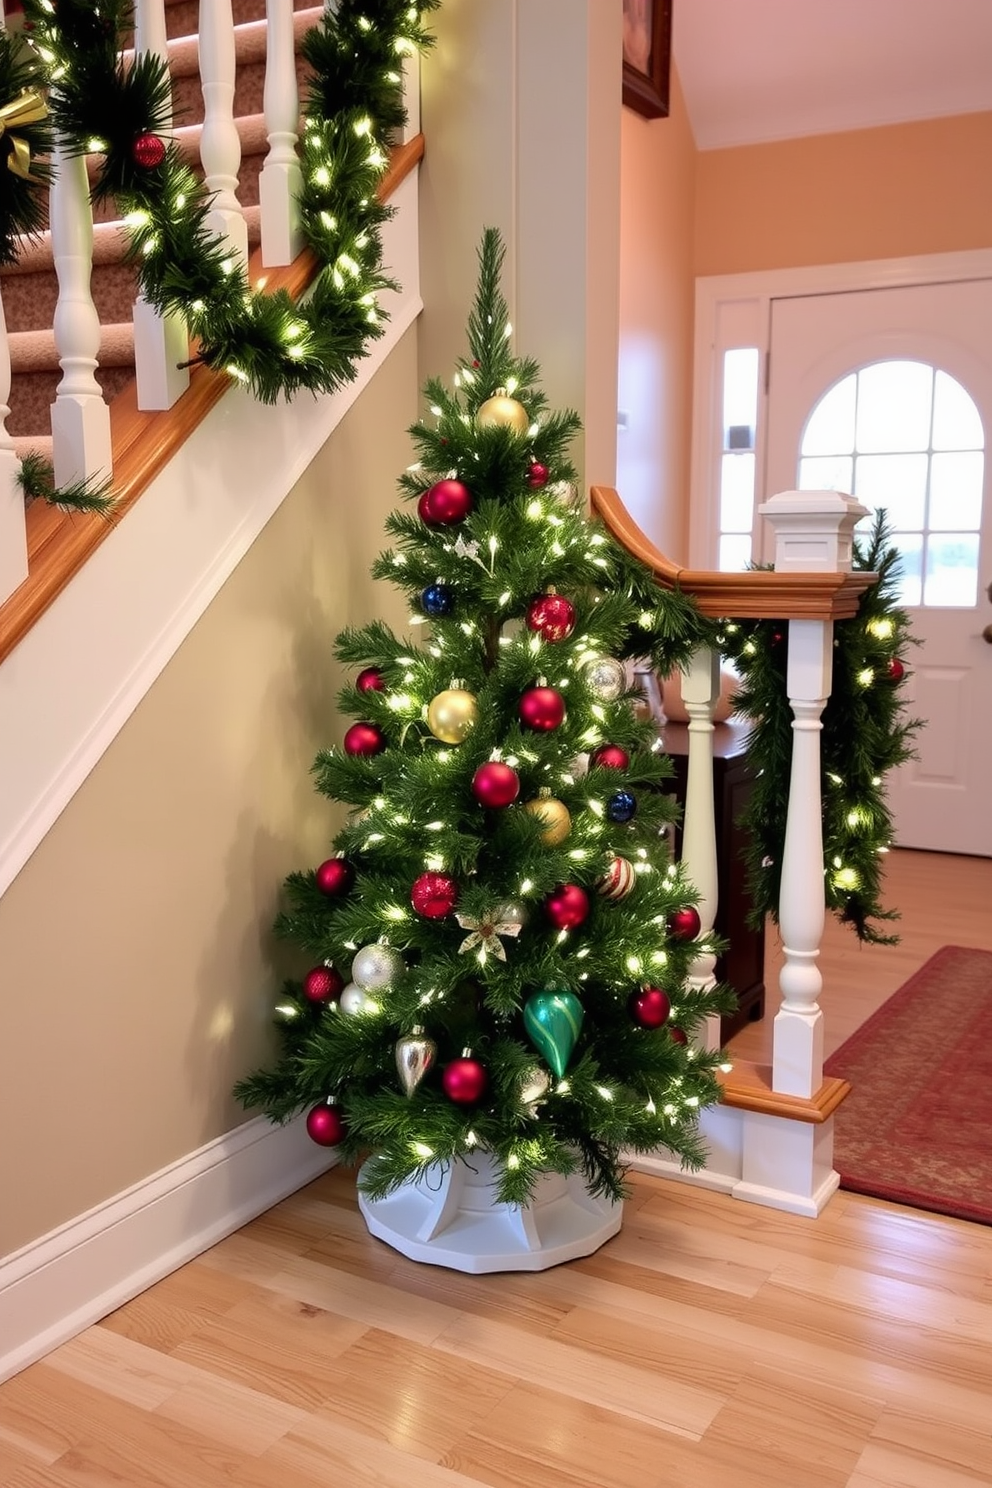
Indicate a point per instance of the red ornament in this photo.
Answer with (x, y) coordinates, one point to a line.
(323, 984)
(684, 924)
(542, 708)
(495, 785)
(364, 739)
(370, 680)
(148, 151)
(552, 616)
(610, 757)
(464, 1080)
(326, 1125)
(617, 881)
(434, 895)
(649, 1007)
(896, 670)
(537, 475)
(445, 503)
(334, 877)
(567, 907)
(678, 1035)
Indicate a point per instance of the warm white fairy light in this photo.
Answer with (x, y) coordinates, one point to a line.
(513, 1161)
(526, 886)
(605, 1092)
(421, 1149)
(562, 1088)
(865, 677)
(634, 965)
(394, 912)
(434, 863)
(535, 511)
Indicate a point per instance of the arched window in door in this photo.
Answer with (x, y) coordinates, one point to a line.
(906, 436)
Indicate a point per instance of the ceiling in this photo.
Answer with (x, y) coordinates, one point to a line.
(755, 70)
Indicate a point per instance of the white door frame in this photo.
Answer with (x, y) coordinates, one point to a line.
(735, 310)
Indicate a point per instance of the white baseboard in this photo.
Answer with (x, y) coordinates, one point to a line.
(63, 1282)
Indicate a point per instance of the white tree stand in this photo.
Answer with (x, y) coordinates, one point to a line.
(450, 1217)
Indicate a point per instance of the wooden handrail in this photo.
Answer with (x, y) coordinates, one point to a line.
(748, 1087)
(739, 596)
(59, 543)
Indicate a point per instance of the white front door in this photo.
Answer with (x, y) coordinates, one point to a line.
(887, 393)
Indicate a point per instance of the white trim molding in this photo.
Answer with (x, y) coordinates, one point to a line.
(69, 687)
(735, 310)
(63, 1282)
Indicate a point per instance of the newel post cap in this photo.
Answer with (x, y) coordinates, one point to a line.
(814, 530)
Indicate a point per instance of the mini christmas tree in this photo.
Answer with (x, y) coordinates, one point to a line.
(500, 945)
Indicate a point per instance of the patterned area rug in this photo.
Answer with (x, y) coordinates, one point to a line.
(917, 1126)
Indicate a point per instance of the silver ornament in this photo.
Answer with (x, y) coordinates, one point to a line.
(354, 1001)
(607, 678)
(534, 1085)
(415, 1054)
(376, 967)
(511, 912)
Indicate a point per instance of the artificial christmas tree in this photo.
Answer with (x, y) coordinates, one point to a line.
(504, 936)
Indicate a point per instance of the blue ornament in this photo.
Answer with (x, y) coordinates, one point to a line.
(621, 807)
(437, 600)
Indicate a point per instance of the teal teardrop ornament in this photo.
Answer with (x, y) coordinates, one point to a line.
(553, 1021)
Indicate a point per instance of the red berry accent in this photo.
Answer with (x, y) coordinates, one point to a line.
(896, 670)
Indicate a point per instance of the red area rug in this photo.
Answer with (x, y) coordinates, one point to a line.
(917, 1126)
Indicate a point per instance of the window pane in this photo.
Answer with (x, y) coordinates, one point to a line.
(830, 430)
(894, 401)
(957, 423)
(740, 397)
(897, 482)
(735, 553)
(952, 570)
(956, 491)
(910, 545)
(737, 493)
(832, 474)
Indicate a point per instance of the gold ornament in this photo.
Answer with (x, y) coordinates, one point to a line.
(503, 412)
(553, 815)
(29, 108)
(452, 715)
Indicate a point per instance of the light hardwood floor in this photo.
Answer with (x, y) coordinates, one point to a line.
(711, 1344)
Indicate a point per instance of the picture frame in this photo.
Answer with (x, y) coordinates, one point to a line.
(647, 56)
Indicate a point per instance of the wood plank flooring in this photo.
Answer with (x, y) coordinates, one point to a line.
(710, 1344)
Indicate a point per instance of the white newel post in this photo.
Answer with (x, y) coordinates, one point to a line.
(13, 531)
(281, 178)
(161, 343)
(80, 417)
(700, 691)
(220, 144)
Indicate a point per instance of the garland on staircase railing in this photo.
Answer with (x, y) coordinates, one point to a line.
(26, 142)
(865, 734)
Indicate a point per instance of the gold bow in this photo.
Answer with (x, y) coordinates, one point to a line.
(30, 108)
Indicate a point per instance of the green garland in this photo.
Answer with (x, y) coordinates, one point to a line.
(26, 140)
(271, 343)
(865, 734)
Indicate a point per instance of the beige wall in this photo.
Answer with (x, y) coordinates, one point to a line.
(873, 193)
(139, 971)
(658, 185)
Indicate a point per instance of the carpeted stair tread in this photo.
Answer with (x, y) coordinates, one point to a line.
(33, 393)
(34, 444)
(182, 17)
(34, 351)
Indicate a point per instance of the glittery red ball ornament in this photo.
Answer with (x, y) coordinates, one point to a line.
(326, 1125)
(552, 616)
(364, 739)
(464, 1081)
(567, 906)
(896, 670)
(537, 475)
(542, 708)
(684, 924)
(649, 1007)
(323, 984)
(445, 503)
(334, 877)
(434, 895)
(370, 680)
(678, 1035)
(610, 757)
(148, 151)
(495, 785)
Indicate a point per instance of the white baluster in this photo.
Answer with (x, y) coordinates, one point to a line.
(220, 145)
(281, 178)
(813, 534)
(700, 691)
(80, 417)
(13, 532)
(161, 343)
